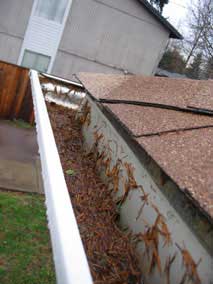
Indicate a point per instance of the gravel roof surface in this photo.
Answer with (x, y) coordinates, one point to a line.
(168, 91)
(186, 155)
(148, 120)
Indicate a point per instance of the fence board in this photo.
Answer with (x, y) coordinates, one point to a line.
(15, 93)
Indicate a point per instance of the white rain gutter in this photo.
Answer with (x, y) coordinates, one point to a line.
(62, 80)
(69, 256)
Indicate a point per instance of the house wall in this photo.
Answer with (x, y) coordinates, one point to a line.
(100, 36)
(110, 36)
(14, 16)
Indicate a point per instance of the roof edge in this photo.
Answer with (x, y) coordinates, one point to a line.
(173, 32)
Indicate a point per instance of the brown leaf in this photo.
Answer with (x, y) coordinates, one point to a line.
(190, 265)
(167, 268)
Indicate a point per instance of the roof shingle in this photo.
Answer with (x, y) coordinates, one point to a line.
(149, 121)
(187, 157)
(181, 143)
(168, 91)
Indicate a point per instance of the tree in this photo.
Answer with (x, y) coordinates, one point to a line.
(201, 30)
(194, 71)
(196, 50)
(173, 61)
(208, 69)
(159, 4)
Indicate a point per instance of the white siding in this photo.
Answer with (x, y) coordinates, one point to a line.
(101, 33)
(42, 36)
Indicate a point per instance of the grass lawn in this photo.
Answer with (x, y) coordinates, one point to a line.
(18, 123)
(25, 252)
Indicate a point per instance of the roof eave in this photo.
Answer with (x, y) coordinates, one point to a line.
(173, 32)
(176, 35)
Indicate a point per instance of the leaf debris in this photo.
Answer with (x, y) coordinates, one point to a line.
(110, 251)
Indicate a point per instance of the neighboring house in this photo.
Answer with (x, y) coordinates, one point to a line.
(63, 37)
(164, 73)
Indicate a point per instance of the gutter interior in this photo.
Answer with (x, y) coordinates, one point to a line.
(110, 251)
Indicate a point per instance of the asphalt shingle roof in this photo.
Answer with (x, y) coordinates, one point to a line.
(181, 143)
(187, 157)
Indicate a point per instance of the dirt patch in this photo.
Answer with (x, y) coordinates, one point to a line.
(110, 251)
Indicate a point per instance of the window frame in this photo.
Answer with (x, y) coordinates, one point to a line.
(36, 54)
(51, 17)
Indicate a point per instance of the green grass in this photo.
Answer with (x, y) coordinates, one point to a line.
(22, 124)
(19, 123)
(25, 252)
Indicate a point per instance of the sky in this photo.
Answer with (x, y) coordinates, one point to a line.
(176, 12)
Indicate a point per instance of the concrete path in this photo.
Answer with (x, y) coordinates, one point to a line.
(19, 159)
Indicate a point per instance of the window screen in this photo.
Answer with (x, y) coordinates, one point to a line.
(51, 9)
(35, 61)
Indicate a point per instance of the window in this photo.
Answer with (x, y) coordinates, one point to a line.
(35, 61)
(53, 10)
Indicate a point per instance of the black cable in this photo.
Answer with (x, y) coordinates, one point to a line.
(157, 105)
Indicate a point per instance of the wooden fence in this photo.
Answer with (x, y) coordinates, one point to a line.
(15, 93)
